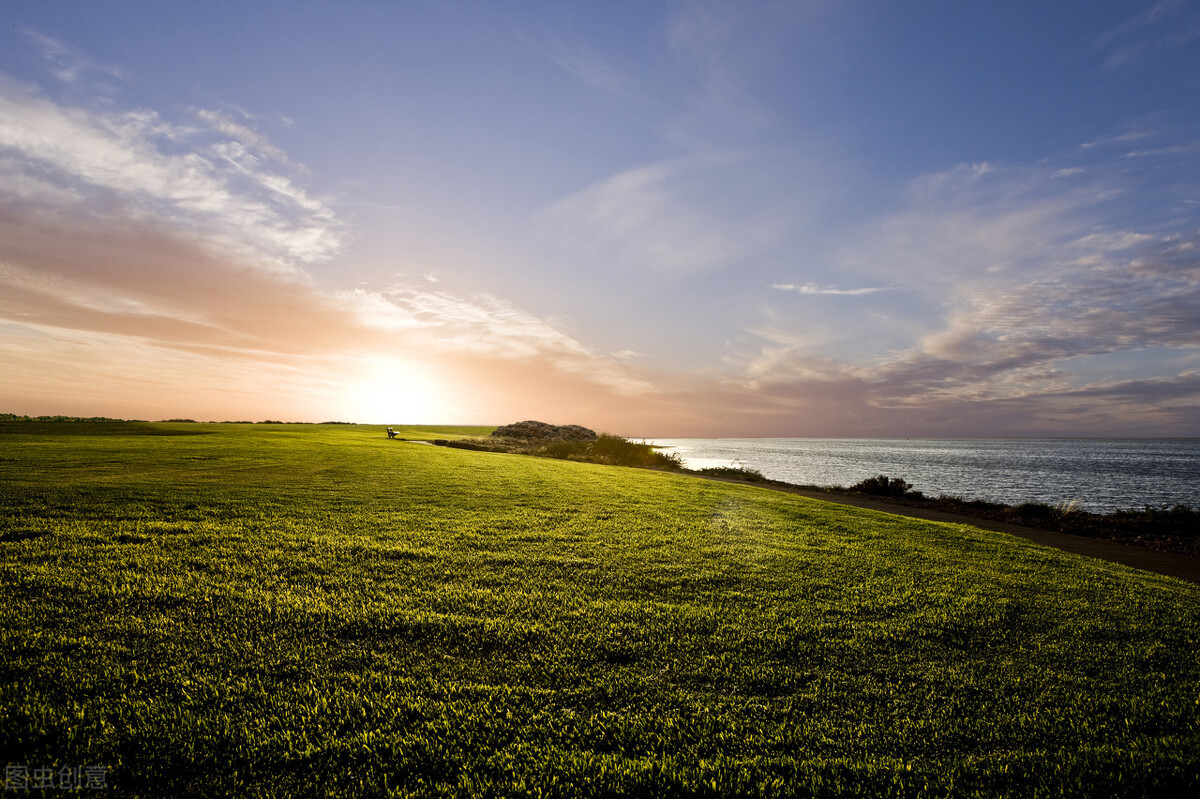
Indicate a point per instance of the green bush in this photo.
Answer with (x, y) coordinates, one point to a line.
(608, 449)
(884, 486)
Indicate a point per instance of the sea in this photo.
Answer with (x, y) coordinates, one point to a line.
(1098, 475)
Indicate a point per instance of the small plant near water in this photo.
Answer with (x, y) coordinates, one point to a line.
(1034, 513)
(1067, 508)
(734, 473)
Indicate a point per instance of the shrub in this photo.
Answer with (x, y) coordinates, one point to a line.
(884, 486)
(604, 448)
(530, 430)
(1179, 520)
(735, 473)
(559, 449)
(608, 449)
(1028, 511)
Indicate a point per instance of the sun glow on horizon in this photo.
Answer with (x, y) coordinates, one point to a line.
(394, 392)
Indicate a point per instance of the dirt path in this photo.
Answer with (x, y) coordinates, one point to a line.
(1180, 566)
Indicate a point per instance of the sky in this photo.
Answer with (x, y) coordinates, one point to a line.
(660, 219)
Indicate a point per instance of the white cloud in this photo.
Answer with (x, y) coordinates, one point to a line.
(1176, 149)
(486, 325)
(814, 289)
(968, 223)
(1104, 240)
(107, 159)
(1122, 138)
(247, 136)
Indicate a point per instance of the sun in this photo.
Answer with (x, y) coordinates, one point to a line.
(393, 392)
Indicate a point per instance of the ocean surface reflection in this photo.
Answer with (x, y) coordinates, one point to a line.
(1100, 474)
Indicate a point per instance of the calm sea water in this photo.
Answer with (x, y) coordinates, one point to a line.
(1100, 474)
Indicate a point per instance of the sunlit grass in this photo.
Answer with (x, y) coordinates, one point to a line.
(264, 610)
(428, 432)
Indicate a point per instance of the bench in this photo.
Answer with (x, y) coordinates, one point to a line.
(391, 433)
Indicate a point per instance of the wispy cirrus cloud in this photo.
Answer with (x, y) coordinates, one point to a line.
(666, 217)
(1160, 25)
(641, 220)
(584, 63)
(1117, 139)
(68, 64)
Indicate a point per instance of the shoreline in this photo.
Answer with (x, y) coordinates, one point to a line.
(1170, 564)
(1154, 548)
(1101, 476)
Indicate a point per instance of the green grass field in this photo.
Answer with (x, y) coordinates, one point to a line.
(274, 610)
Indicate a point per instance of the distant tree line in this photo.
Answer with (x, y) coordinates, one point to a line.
(16, 417)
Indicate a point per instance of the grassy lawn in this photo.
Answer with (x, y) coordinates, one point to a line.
(270, 610)
(426, 432)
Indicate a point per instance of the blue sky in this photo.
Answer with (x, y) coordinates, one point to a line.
(684, 218)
